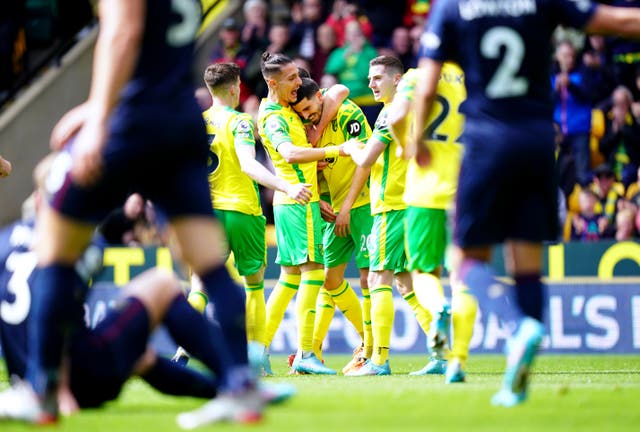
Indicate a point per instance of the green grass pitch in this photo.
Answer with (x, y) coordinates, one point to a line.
(568, 393)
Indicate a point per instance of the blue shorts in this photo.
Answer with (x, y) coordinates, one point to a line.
(159, 151)
(102, 359)
(507, 187)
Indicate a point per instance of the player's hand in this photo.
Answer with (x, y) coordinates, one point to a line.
(349, 147)
(86, 153)
(343, 224)
(423, 156)
(326, 211)
(313, 135)
(322, 164)
(5, 167)
(67, 126)
(300, 192)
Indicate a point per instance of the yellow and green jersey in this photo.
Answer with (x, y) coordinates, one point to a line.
(388, 172)
(348, 123)
(231, 189)
(277, 125)
(435, 186)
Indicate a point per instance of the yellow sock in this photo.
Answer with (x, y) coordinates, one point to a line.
(464, 307)
(198, 300)
(277, 303)
(381, 322)
(366, 321)
(310, 284)
(325, 308)
(347, 301)
(422, 314)
(429, 292)
(256, 312)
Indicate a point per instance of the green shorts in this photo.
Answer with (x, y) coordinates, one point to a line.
(386, 242)
(246, 238)
(298, 233)
(338, 250)
(426, 238)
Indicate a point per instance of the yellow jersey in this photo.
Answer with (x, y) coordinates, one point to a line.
(276, 125)
(231, 189)
(435, 186)
(348, 123)
(388, 172)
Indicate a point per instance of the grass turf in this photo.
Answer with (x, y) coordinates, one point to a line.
(568, 393)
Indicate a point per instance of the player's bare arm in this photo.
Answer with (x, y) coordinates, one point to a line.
(608, 20)
(343, 218)
(364, 156)
(116, 54)
(299, 192)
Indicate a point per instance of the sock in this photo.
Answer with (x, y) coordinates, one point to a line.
(277, 303)
(464, 307)
(531, 295)
(429, 291)
(57, 299)
(423, 316)
(382, 322)
(198, 300)
(310, 283)
(229, 305)
(325, 309)
(366, 321)
(256, 312)
(171, 378)
(207, 344)
(493, 296)
(347, 301)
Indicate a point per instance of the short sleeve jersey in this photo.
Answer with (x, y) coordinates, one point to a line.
(504, 47)
(435, 186)
(388, 172)
(231, 189)
(278, 124)
(348, 123)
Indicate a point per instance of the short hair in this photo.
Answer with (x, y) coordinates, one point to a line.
(303, 73)
(272, 64)
(307, 89)
(391, 64)
(219, 74)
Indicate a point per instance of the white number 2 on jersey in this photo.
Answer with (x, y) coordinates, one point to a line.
(21, 265)
(183, 33)
(504, 82)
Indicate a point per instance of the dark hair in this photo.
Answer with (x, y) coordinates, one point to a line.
(218, 74)
(271, 64)
(307, 89)
(303, 73)
(391, 64)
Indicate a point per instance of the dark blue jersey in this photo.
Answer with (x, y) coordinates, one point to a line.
(17, 263)
(163, 70)
(504, 48)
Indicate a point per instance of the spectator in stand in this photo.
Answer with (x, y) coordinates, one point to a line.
(344, 12)
(572, 110)
(231, 49)
(350, 65)
(12, 43)
(306, 16)
(598, 72)
(416, 13)
(279, 43)
(384, 16)
(632, 193)
(326, 42)
(608, 199)
(620, 144)
(586, 224)
(625, 224)
(401, 46)
(255, 32)
(625, 54)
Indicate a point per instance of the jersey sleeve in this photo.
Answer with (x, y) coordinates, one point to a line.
(276, 130)
(242, 129)
(438, 39)
(354, 123)
(573, 13)
(381, 130)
